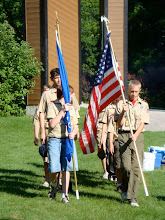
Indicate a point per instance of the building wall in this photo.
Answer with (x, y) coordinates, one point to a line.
(115, 10)
(68, 16)
(32, 14)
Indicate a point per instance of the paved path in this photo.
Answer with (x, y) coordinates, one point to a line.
(157, 119)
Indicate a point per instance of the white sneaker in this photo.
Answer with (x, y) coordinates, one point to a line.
(134, 204)
(46, 184)
(65, 199)
(124, 196)
(105, 175)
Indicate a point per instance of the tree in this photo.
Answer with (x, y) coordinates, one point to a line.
(12, 11)
(90, 42)
(146, 46)
(17, 69)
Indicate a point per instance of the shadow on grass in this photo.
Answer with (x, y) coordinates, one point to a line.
(92, 179)
(99, 196)
(161, 198)
(17, 182)
(36, 165)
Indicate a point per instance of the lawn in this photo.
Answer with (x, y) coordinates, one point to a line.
(22, 195)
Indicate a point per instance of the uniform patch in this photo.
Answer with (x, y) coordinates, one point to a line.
(139, 119)
(141, 107)
(126, 124)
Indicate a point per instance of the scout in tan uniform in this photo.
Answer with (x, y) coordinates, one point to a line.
(56, 144)
(36, 123)
(113, 144)
(47, 97)
(138, 111)
(114, 149)
(102, 135)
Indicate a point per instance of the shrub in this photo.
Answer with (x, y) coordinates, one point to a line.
(17, 68)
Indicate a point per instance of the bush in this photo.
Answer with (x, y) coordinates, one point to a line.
(17, 68)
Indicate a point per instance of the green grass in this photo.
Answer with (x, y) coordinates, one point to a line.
(21, 176)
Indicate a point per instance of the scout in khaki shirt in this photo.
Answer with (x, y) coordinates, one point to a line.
(47, 97)
(113, 142)
(36, 123)
(102, 135)
(57, 144)
(138, 111)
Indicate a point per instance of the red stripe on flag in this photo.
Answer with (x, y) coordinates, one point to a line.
(108, 78)
(82, 144)
(95, 99)
(109, 89)
(111, 99)
(87, 133)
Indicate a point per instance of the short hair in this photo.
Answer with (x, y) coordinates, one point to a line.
(134, 82)
(54, 72)
(71, 89)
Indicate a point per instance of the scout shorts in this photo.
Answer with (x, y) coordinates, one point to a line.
(57, 161)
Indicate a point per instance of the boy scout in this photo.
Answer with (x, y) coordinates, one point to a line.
(101, 140)
(57, 144)
(47, 97)
(138, 111)
(113, 141)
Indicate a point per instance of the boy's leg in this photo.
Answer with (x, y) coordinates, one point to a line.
(134, 183)
(124, 142)
(65, 181)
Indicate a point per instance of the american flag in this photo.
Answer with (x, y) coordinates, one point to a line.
(106, 89)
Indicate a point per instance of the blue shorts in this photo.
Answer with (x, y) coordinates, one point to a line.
(57, 161)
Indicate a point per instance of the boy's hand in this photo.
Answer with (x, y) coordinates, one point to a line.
(71, 135)
(111, 148)
(43, 137)
(134, 137)
(36, 140)
(125, 107)
(66, 107)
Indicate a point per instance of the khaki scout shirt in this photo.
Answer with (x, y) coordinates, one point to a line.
(36, 119)
(138, 113)
(60, 130)
(99, 123)
(75, 105)
(46, 98)
(108, 118)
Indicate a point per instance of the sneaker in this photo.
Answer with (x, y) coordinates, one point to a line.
(124, 196)
(46, 184)
(65, 199)
(105, 175)
(119, 188)
(52, 192)
(134, 203)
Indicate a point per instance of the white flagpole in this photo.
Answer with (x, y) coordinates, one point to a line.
(74, 169)
(103, 18)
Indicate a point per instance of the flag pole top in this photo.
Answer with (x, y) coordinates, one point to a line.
(57, 22)
(107, 22)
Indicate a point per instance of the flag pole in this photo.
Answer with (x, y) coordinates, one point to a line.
(103, 18)
(74, 169)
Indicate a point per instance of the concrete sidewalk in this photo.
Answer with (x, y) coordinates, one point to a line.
(157, 119)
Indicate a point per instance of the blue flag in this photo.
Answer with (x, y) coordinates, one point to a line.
(66, 94)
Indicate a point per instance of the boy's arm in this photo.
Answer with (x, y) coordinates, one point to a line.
(139, 130)
(103, 133)
(42, 124)
(36, 133)
(111, 146)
